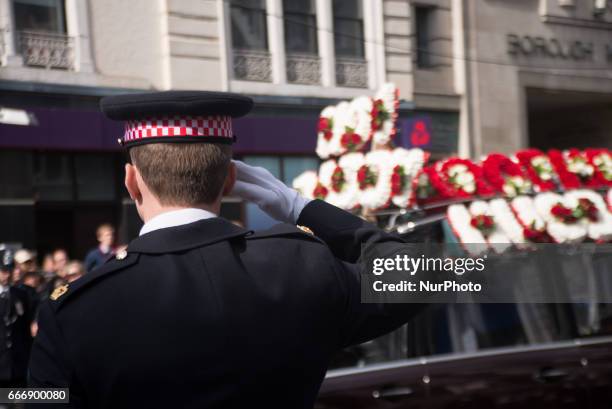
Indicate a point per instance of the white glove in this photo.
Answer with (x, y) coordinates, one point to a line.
(258, 185)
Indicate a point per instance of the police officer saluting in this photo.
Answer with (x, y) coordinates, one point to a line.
(200, 313)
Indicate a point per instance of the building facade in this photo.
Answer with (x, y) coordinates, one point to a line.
(479, 75)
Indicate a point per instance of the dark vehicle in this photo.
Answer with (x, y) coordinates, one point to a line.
(484, 356)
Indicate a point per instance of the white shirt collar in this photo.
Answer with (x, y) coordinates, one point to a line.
(175, 218)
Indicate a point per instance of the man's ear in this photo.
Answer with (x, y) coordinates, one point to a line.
(131, 183)
(230, 180)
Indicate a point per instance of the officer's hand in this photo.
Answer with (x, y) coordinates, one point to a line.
(259, 186)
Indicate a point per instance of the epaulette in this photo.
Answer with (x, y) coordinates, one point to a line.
(60, 295)
(285, 230)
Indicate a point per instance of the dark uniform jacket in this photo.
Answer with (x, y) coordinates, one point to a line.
(15, 337)
(209, 315)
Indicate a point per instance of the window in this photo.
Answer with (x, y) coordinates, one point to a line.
(40, 15)
(423, 17)
(249, 29)
(348, 28)
(300, 26)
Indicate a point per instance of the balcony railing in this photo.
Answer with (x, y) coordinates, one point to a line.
(303, 69)
(250, 65)
(48, 50)
(351, 73)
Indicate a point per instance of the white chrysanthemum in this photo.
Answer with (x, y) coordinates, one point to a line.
(361, 107)
(377, 196)
(602, 228)
(504, 217)
(542, 166)
(497, 237)
(305, 183)
(559, 231)
(412, 160)
(526, 213)
(324, 146)
(348, 196)
(326, 170)
(459, 219)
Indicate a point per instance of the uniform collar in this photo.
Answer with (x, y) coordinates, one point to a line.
(186, 236)
(175, 218)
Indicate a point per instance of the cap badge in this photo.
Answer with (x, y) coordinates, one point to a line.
(59, 291)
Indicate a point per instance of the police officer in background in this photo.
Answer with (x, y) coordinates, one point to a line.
(16, 316)
(198, 312)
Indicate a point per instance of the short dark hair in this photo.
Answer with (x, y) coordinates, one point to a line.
(183, 174)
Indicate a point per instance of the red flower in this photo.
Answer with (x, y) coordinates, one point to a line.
(568, 179)
(320, 192)
(524, 157)
(563, 213)
(588, 209)
(398, 180)
(337, 179)
(537, 236)
(379, 114)
(482, 187)
(496, 167)
(483, 223)
(365, 177)
(350, 140)
(325, 126)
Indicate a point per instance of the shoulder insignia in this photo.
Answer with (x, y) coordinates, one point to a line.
(63, 294)
(58, 292)
(305, 230)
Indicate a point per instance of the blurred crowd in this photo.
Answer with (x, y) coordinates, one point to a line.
(26, 280)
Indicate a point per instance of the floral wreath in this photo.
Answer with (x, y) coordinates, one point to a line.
(553, 208)
(591, 206)
(406, 165)
(601, 160)
(383, 115)
(572, 170)
(464, 178)
(325, 132)
(504, 175)
(461, 223)
(532, 225)
(373, 179)
(307, 183)
(339, 178)
(538, 168)
(428, 187)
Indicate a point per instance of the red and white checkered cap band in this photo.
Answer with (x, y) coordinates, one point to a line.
(176, 126)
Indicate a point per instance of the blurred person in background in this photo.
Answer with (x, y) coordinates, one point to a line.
(105, 234)
(48, 266)
(74, 270)
(25, 262)
(15, 335)
(60, 259)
